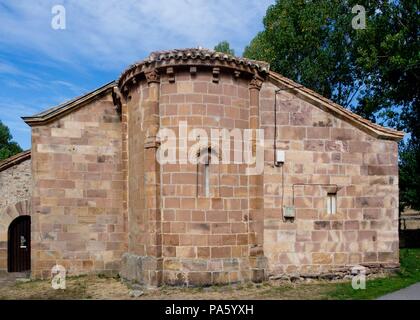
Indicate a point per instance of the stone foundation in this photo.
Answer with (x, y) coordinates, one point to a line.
(184, 272)
(139, 269)
(205, 272)
(346, 272)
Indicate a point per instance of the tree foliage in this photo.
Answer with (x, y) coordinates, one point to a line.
(309, 41)
(224, 47)
(409, 176)
(374, 71)
(8, 147)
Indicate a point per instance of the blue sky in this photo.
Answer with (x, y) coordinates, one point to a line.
(41, 67)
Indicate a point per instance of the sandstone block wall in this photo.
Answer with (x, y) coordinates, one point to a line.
(205, 238)
(78, 219)
(322, 149)
(237, 232)
(201, 239)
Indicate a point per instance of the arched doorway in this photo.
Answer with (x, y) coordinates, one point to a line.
(19, 245)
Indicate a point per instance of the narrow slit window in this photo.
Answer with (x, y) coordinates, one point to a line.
(207, 178)
(205, 174)
(332, 203)
(208, 175)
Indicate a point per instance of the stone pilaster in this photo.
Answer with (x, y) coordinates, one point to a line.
(120, 103)
(152, 177)
(255, 185)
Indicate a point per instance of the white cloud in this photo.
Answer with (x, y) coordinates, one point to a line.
(72, 87)
(115, 33)
(6, 68)
(41, 67)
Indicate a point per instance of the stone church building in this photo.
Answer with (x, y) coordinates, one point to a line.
(92, 196)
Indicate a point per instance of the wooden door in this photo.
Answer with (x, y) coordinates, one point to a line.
(19, 244)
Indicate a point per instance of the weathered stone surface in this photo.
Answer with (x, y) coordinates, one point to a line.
(332, 155)
(79, 186)
(102, 203)
(136, 293)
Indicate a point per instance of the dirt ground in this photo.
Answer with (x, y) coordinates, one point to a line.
(102, 287)
(96, 287)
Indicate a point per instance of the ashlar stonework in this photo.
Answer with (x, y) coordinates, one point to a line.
(101, 202)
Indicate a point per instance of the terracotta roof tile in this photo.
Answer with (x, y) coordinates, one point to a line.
(196, 54)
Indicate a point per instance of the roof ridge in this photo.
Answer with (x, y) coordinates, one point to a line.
(15, 159)
(66, 106)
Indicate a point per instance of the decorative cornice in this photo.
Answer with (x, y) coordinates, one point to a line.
(15, 160)
(216, 74)
(256, 83)
(152, 76)
(117, 98)
(193, 58)
(171, 74)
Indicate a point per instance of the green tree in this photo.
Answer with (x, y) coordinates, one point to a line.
(8, 147)
(224, 47)
(374, 71)
(310, 42)
(388, 53)
(409, 176)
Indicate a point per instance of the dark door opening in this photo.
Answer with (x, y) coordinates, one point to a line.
(19, 245)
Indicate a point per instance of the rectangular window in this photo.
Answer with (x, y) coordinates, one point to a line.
(332, 203)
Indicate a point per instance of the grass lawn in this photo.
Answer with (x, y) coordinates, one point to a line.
(99, 287)
(408, 275)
